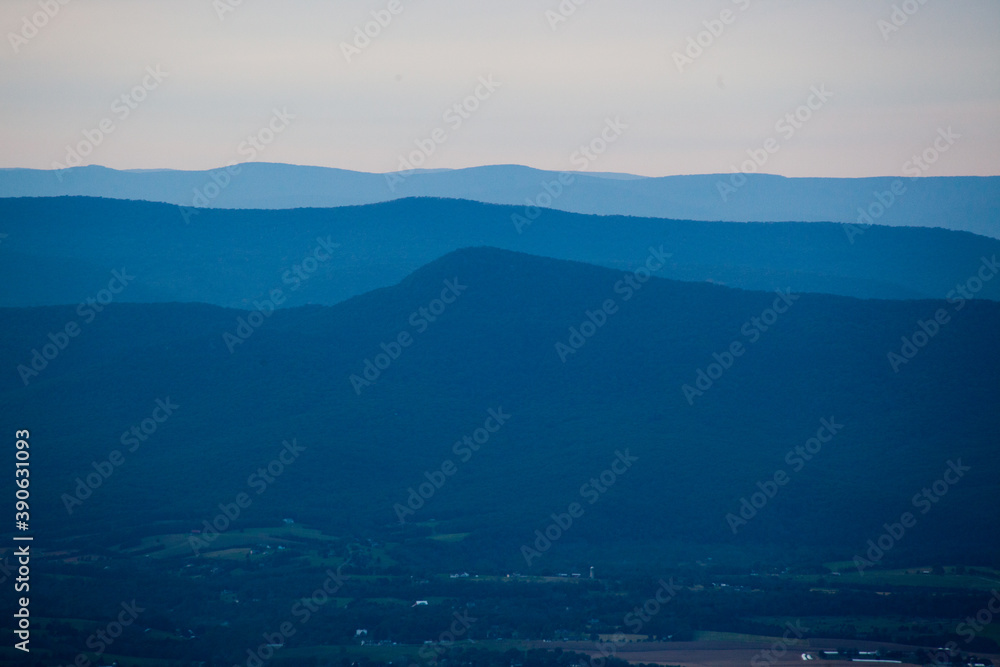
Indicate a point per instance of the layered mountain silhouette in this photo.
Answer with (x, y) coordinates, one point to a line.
(959, 203)
(64, 250)
(491, 330)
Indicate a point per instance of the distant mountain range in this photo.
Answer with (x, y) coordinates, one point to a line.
(959, 203)
(63, 251)
(379, 413)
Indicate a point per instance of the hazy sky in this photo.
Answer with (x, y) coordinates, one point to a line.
(559, 84)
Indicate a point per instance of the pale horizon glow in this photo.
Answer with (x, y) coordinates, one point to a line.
(893, 94)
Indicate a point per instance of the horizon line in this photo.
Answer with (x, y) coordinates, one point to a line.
(596, 174)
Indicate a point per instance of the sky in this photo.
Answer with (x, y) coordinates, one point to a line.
(845, 88)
